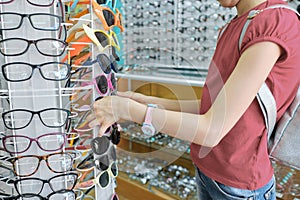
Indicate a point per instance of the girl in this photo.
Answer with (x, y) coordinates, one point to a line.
(228, 133)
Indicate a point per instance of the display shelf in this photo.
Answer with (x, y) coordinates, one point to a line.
(126, 184)
(144, 190)
(132, 190)
(155, 147)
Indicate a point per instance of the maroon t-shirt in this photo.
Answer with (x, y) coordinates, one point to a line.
(241, 159)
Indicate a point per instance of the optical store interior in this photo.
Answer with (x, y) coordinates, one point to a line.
(60, 56)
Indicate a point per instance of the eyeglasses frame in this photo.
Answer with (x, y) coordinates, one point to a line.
(29, 42)
(36, 66)
(32, 114)
(34, 140)
(12, 160)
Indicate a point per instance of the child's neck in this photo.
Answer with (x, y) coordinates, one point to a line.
(245, 5)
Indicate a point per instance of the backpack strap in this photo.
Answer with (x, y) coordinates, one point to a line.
(253, 13)
(264, 96)
(267, 105)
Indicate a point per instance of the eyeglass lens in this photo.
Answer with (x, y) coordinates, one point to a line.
(114, 169)
(115, 39)
(103, 39)
(39, 21)
(20, 71)
(102, 84)
(101, 1)
(105, 63)
(113, 3)
(115, 197)
(115, 136)
(100, 145)
(104, 177)
(113, 81)
(115, 55)
(109, 17)
(102, 162)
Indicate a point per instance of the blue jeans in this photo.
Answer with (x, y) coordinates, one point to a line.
(209, 189)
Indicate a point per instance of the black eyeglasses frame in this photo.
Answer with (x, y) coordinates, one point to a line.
(36, 66)
(29, 42)
(7, 113)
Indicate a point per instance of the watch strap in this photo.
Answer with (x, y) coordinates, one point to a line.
(148, 117)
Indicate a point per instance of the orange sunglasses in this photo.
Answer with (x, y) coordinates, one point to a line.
(108, 17)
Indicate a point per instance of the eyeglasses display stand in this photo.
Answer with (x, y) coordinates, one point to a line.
(99, 44)
(34, 94)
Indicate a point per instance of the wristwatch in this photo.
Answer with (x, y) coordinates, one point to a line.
(147, 127)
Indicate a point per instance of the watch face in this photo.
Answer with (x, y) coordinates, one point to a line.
(148, 130)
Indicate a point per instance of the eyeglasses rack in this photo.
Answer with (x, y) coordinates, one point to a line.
(31, 81)
(86, 54)
(36, 93)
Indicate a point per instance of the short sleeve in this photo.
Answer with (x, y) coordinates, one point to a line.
(279, 25)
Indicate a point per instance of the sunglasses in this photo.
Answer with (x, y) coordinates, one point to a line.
(21, 143)
(103, 83)
(107, 16)
(56, 183)
(101, 38)
(39, 21)
(100, 145)
(106, 64)
(50, 117)
(46, 46)
(28, 165)
(103, 178)
(21, 71)
(100, 162)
